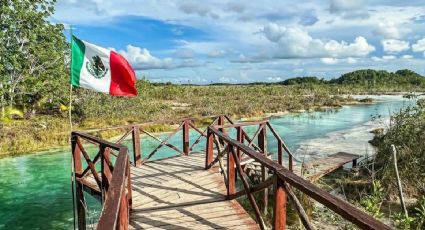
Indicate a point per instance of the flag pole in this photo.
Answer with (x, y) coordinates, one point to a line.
(70, 83)
(70, 127)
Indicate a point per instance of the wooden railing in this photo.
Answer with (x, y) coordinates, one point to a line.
(184, 125)
(282, 179)
(111, 185)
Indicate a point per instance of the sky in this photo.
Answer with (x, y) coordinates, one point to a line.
(209, 41)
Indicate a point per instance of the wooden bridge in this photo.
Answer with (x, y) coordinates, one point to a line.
(197, 189)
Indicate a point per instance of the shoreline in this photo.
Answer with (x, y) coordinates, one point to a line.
(266, 115)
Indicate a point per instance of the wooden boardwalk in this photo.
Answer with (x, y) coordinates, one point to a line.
(178, 193)
(315, 169)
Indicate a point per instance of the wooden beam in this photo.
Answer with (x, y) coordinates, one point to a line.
(301, 213)
(231, 180)
(262, 143)
(279, 211)
(209, 149)
(186, 137)
(81, 210)
(137, 148)
(247, 189)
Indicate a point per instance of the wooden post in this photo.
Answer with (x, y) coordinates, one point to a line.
(354, 164)
(291, 163)
(186, 137)
(76, 155)
(79, 193)
(221, 120)
(279, 217)
(81, 211)
(240, 137)
(129, 187)
(279, 152)
(123, 214)
(106, 171)
(400, 188)
(262, 144)
(231, 180)
(137, 148)
(209, 149)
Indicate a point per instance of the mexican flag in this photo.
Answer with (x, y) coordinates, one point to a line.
(100, 69)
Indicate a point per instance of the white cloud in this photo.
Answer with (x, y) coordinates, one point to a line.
(274, 78)
(389, 57)
(390, 29)
(407, 56)
(334, 61)
(141, 59)
(329, 61)
(377, 59)
(384, 58)
(395, 46)
(313, 30)
(419, 46)
(244, 59)
(351, 60)
(294, 42)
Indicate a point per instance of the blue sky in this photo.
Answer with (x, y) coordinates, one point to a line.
(246, 41)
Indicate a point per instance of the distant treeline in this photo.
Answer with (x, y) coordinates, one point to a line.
(365, 77)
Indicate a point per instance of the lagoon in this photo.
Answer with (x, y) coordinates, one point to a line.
(35, 189)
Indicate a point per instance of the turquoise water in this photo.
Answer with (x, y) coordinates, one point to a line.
(35, 190)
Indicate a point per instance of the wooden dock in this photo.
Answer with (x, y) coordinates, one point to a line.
(198, 190)
(178, 193)
(169, 194)
(314, 169)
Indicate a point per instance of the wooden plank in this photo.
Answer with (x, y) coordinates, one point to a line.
(178, 193)
(325, 165)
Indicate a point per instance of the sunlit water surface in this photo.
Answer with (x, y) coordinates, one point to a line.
(35, 190)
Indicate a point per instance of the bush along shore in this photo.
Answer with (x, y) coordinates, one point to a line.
(375, 186)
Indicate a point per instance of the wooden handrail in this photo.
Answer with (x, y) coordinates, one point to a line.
(112, 212)
(339, 206)
(170, 121)
(97, 140)
(234, 125)
(114, 182)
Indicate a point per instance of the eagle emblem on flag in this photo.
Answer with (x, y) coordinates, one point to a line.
(96, 67)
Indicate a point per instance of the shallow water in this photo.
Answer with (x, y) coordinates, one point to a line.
(35, 190)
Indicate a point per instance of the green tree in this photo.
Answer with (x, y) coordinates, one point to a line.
(32, 58)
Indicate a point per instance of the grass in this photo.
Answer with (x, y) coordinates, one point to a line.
(164, 102)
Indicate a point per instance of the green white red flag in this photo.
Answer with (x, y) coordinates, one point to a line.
(100, 69)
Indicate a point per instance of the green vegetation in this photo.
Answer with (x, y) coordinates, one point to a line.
(406, 133)
(375, 189)
(368, 80)
(32, 56)
(34, 88)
